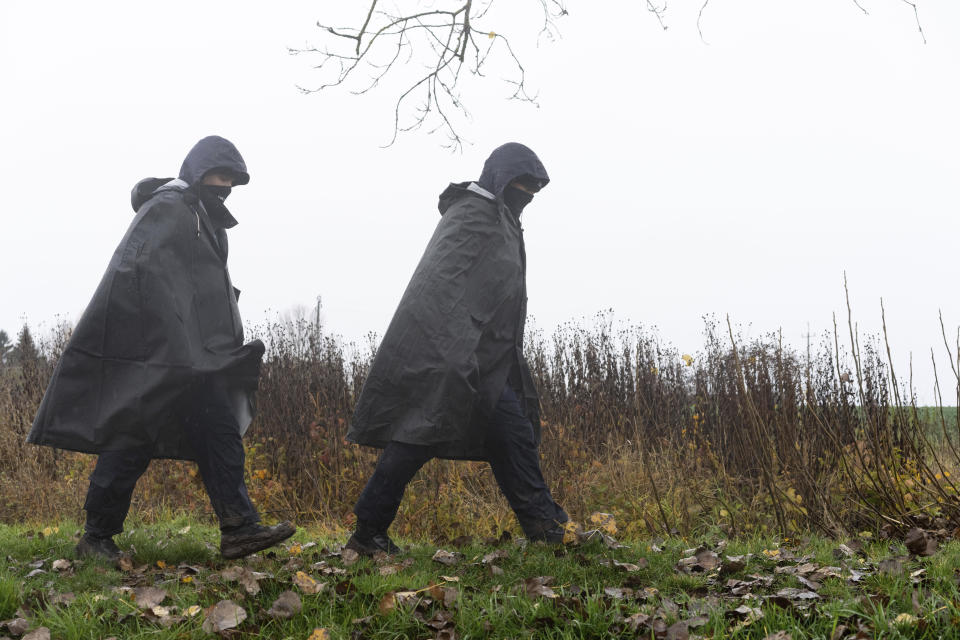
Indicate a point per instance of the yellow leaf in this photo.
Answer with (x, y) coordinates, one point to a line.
(569, 532)
(296, 549)
(492, 35)
(604, 521)
(687, 358)
(49, 531)
(186, 579)
(905, 618)
(724, 513)
(192, 610)
(161, 564)
(319, 634)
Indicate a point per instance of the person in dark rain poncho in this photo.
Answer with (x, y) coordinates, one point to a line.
(449, 379)
(157, 367)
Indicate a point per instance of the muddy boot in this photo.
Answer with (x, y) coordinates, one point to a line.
(250, 538)
(366, 541)
(91, 546)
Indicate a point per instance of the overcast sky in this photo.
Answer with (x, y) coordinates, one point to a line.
(738, 177)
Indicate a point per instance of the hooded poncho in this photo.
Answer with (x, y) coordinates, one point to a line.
(456, 338)
(164, 317)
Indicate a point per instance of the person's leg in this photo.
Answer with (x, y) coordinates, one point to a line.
(108, 499)
(515, 460)
(214, 435)
(378, 503)
(111, 487)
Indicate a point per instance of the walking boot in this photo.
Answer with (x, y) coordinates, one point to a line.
(91, 546)
(367, 541)
(237, 542)
(548, 531)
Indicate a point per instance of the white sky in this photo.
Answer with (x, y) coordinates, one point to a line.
(738, 177)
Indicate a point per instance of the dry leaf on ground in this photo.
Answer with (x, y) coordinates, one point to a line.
(61, 565)
(538, 587)
(349, 557)
(307, 583)
(224, 615)
(285, 606)
(248, 579)
(148, 597)
(447, 557)
(603, 521)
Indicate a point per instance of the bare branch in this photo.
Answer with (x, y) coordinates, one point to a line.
(916, 15)
(373, 5)
(659, 12)
(700, 18)
(428, 49)
(446, 36)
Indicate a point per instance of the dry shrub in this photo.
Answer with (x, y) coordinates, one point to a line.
(746, 435)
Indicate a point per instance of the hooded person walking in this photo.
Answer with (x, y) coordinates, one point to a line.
(157, 367)
(449, 379)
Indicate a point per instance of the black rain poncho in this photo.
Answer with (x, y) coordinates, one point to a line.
(164, 316)
(456, 338)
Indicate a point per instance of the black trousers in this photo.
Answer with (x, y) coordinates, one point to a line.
(213, 433)
(514, 459)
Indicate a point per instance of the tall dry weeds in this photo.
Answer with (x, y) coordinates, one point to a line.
(745, 434)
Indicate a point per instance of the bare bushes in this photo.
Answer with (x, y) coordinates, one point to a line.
(745, 434)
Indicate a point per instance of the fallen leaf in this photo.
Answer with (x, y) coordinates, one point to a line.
(224, 615)
(18, 626)
(192, 610)
(446, 557)
(570, 530)
(905, 619)
(538, 587)
(285, 606)
(248, 579)
(307, 583)
(295, 549)
(349, 557)
(493, 556)
(444, 595)
(319, 634)
(892, 566)
(392, 599)
(148, 597)
(636, 620)
(604, 521)
(779, 635)
(184, 531)
(617, 593)
(61, 565)
(678, 631)
(40, 633)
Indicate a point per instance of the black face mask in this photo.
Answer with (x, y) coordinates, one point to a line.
(516, 199)
(212, 197)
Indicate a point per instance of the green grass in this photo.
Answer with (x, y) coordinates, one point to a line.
(488, 605)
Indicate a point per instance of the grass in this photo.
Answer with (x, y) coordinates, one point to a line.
(180, 557)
